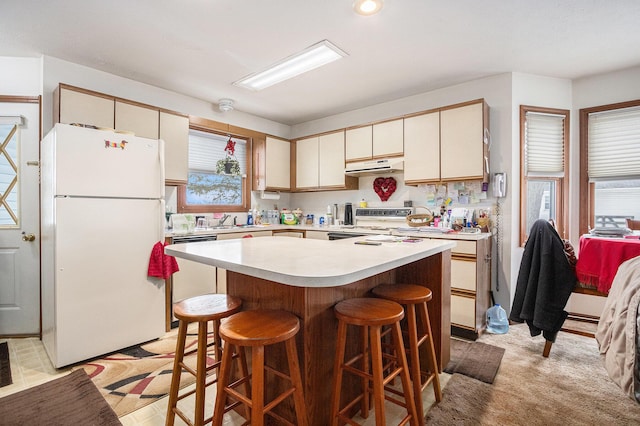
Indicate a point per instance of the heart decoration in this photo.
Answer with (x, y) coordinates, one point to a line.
(384, 187)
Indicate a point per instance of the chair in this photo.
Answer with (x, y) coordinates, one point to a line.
(545, 282)
(634, 225)
(371, 314)
(257, 329)
(202, 310)
(414, 298)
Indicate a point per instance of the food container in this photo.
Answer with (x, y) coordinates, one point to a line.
(424, 219)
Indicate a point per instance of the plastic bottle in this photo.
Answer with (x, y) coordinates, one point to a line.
(250, 218)
(329, 216)
(497, 322)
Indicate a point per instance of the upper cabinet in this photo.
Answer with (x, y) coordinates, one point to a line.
(174, 130)
(75, 105)
(83, 107)
(388, 139)
(272, 164)
(448, 144)
(320, 163)
(464, 142)
(359, 143)
(140, 120)
(422, 148)
(376, 141)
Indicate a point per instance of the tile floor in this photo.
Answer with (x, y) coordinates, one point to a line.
(30, 366)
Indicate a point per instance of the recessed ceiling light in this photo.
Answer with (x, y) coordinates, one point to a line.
(367, 7)
(311, 58)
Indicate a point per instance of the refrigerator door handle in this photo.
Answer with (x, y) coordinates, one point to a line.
(163, 221)
(161, 155)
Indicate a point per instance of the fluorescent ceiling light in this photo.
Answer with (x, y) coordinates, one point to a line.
(311, 58)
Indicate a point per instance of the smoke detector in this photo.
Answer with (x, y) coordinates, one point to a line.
(225, 105)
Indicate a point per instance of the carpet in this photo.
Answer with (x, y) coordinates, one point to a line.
(571, 387)
(5, 365)
(474, 359)
(137, 376)
(70, 400)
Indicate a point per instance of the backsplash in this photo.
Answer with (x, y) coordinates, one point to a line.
(458, 194)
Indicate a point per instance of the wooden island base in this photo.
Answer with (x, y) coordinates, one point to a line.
(317, 337)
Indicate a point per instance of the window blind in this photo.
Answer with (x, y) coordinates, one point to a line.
(205, 149)
(544, 144)
(614, 144)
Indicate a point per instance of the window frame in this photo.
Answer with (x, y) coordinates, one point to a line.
(562, 183)
(183, 207)
(587, 189)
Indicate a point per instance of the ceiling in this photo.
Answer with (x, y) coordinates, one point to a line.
(200, 47)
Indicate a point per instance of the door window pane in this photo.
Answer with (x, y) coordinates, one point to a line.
(9, 175)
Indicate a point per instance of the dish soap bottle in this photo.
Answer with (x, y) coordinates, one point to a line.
(250, 218)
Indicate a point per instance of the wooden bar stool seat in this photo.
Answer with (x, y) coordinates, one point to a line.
(371, 314)
(258, 329)
(414, 298)
(202, 310)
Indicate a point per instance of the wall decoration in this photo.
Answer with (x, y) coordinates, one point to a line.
(384, 187)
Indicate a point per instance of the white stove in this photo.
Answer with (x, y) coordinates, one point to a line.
(382, 218)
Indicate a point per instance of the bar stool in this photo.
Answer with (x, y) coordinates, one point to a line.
(412, 297)
(371, 314)
(257, 329)
(200, 309)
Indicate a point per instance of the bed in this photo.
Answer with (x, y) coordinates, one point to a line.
(618, 332)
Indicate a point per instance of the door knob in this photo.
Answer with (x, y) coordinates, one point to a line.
(28, 237)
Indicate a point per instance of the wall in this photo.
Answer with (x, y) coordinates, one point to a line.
(20, 76)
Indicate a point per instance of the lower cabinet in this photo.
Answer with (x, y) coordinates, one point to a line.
(317, 235)
(470, 287)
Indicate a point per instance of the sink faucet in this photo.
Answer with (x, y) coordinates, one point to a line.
(223, 218)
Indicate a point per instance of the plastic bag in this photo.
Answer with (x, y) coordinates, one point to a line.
(497, 322)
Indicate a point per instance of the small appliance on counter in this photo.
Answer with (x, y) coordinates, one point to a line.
(348, 214)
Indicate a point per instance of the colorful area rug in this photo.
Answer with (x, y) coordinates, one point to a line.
(70, 400)
(5, 365)
(474, 359)
(134, 377)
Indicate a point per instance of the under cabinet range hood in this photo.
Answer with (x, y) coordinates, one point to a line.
(372, 167)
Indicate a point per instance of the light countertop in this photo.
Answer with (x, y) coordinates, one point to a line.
(307, 262)
(415, 232)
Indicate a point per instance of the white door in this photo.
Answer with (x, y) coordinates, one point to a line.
(19, 218)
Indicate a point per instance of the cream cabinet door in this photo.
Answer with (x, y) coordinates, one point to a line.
(463, 310)
(331, 159)
(307, 162)
(317, 235)
(387, 139)
(278, 163)
(359, 143)
(461, 142)
(174, 130)
(463, 274)
(422, 147)
(144, 122)
(83, 108)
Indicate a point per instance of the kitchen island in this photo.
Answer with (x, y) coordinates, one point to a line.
(308, 277)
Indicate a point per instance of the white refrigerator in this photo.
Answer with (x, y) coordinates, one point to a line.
(102, 211)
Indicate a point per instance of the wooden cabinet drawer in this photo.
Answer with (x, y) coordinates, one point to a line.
(463, 274)
(464, 247)
(463, 311)
(234, 235)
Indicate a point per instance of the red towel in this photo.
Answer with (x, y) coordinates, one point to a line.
(160, 264)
